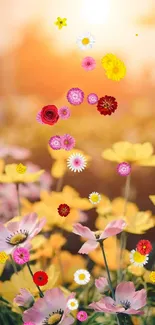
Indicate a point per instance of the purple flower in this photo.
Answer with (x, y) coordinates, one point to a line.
(92, 99)
(64, 113)
(75, 96)
(67, 142)
(124, 169)
(55, 142)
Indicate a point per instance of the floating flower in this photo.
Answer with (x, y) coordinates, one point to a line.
(94, 237)
(94, 197)
(51, 309)
(76, 162)
(127, 301)
(40, 278)
(82, 315)
(63, 210)
(152, 276)
(21, 255)
(64, 112)
(21, 169)
(49, 114)
(67, 142)
(144, 247)
(3, 257)
(88, 63)
(82, 277)
(72, 304)
(75, 96)
(55, 142)
(124, 169)
(12, 176)
(116, 70)
(19, 234)
(92, 99)
(107, 60)
(38, 118)
(24, 299)
(138, 259)
(102, 284)
(86, 41)
(107, 105)
(60, 22)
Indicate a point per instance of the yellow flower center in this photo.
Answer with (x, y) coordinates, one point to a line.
(115, 70)
(85, 41)
(82, 276)
(54, 319)
(144, 246)
(17, 239)
(3, 257)
(21, 169)
(72, 303)
(152, 276)
(138, 257)
(94, 198)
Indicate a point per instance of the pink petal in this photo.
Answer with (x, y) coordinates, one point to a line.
(101, 284)
(113, 228)
(131, 311)
(56, 299)
(4, 231)
(83, 231)
(13, 226)
(34, 316)
(68, 321)
(39, 227)
(125, 290)
(139, 299)
(28, 222)
(107, 305)
(87, 247)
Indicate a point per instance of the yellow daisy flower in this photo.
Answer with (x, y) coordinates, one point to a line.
(107, 60)
(21, 169)
(116, 70)
(61, 22)
(11, 175)
(3, 257)
(152, 276)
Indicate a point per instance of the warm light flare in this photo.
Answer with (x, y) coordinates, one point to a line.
(95, 11)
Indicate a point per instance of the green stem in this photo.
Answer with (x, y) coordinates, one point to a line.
(40, 292)
(13, 265)
(18, 199)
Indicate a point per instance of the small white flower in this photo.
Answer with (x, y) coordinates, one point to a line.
(138, 259)
(76, 162)
(94, 197)
(85, 41)
(72, 304)
(82, 277)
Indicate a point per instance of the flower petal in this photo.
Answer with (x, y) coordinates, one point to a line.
(113, 228)
(139, 299)
(87, 247)
(83, 231)
(125, 290)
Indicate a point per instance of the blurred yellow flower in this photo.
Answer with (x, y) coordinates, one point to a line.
(60, 22)
(152, 198)
(116, 70)
(136, 270)
(12, 176)
(107, 60)
(152, 276)
(3, 257)
(2, 164)
(21, 169)
(59, 167)
(139, 154)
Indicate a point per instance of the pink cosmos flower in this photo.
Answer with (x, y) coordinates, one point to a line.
(127, 301)
(24, 299)
(19, 234)
(55, 142)
(102, 284)
(14, 152)
(94, 237)
(67, 142)
(75, 96)
(21, 255)
(82, 316)
(64, 113)
(38, 118)
(51, 309)
(88, 63)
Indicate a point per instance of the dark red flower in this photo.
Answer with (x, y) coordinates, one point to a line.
(144, 247)
(49, 114)
(40, 278)
(107, 105)
(63, 210)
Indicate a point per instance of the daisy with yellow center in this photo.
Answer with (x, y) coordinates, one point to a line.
(82, 277)
(85, 41)
(72, 304)
(21, 169)
(116, 70)
(94, 197)
(107, 60)
(61, 22)
(3, 257)
(152, 276)
(138, 259)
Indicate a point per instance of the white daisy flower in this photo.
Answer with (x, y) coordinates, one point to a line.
(138, 259)
(72, 304)
(94, 197)
(82, 277)
(76, 162)
(85, 41)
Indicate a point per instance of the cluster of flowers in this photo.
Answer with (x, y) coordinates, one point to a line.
(66, 142)
(140, 255)
(50, 114)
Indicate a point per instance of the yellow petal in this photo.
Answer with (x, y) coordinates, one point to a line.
(1, 165)
(152, 198)
(59, 168)
(109, 154)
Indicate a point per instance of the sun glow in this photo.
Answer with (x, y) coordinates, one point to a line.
(95, 11)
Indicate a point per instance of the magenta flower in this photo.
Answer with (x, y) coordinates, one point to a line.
(24, 299)
(38, 118)
(55, 142)
(92, 99)
(124, 169)
(102, 284)
(51, 309)
(19, 234)
(64, 113)
(28, 323)
(88, 63)
(127, 301)
(75, 96)
(82, 316)
(94, 237)
(67, 142)
(21, 255)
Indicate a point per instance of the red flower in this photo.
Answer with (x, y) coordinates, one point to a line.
(107, 105)
(49, 114)
(63, 210)
(40, 278)
(144, 247)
